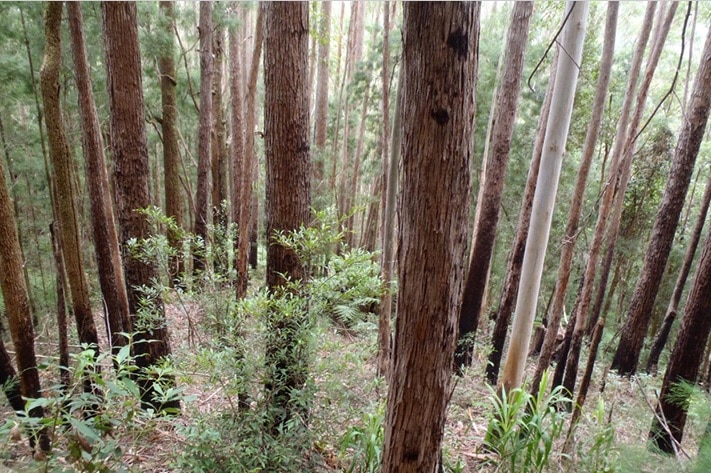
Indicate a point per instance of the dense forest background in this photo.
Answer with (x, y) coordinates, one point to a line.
(231, 242)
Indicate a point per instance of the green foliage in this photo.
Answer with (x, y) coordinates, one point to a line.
(524, 427)
(596, 451)
(364, 442)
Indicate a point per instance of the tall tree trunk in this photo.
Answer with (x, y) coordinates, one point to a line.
(518, 246)
(576, 207)
(62, 336)
(663, 333)
(238, 159)
(17, 309)
(171, 153)
(321, 115)
(388, 191)
(108, 253)
(218, 142)
(544, 198)
(248, 213)
(490, 195)
(689, 348)
(61, 159)
(202, 193)
(130, 157)
(439, 67)
(617, 168)
(288, 192)
(640, 311)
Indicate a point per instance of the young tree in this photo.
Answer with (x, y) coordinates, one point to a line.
(108, 253)
(62, 165)
(493, 187)
(169, 124)
(131, 173)
(546, 187)
(439, 72)
(202, 193)
(576, 207)
(288, 190)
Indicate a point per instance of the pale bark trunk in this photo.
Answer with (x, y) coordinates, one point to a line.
(544, 198)
(321, 115)
(436, 152)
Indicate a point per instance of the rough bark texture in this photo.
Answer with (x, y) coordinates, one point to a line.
(571, 230)
(518, 246)
(237, 158)
(321, 118)
(108, 252)
(689, 348)
(171, 151)
(131, 173)
(17, 306)
(490, 196)
(62, 165)
(663, 333)
(202, 192)
(544, 198)
(439, 70)
(640, 311)
(288, 189)
(218, 142)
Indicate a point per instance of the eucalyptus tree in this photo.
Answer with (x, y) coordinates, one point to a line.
(439, 72)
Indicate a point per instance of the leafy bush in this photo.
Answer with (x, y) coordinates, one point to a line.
(364, 442)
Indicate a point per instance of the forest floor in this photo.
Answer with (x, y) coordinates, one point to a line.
(348, 395)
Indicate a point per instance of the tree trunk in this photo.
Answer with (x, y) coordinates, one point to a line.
(17, 308)
(219, 148)
(490, 195)
(321, 118)
(576, 207)
(439, 68)
(171, 153)
(237, 152)
(663, 334)
(544, 198)
(108, 253)
(288, 192)
(640, 311)
(65, 375)
(202, 193)
(130, 157)
(691, 341)
(60, 155)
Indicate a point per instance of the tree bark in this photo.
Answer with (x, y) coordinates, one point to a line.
(219, 147)
(108, 253)
(131, 171)
(689, 348)
(544, 197)
(288, 192)
(439, 72)
(518, 246)
(60, 156)
(576, 207)
(171, 154)
(202, 192)
(321, 118)
(489, 202)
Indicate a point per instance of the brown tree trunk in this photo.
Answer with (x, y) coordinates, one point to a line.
(439, 66)
(108, 253)
(202, 192)
(171, 153)
(240, 177)
(518, 246)
(663, 333)
(689, 348)
(17, 308)
(321, 118)
(490, 196)
(640, 311)
(576, 207)
(288, 192)
(218, 144)
(130, 155)
(9, 381)
(62, 336)
(61, 159)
